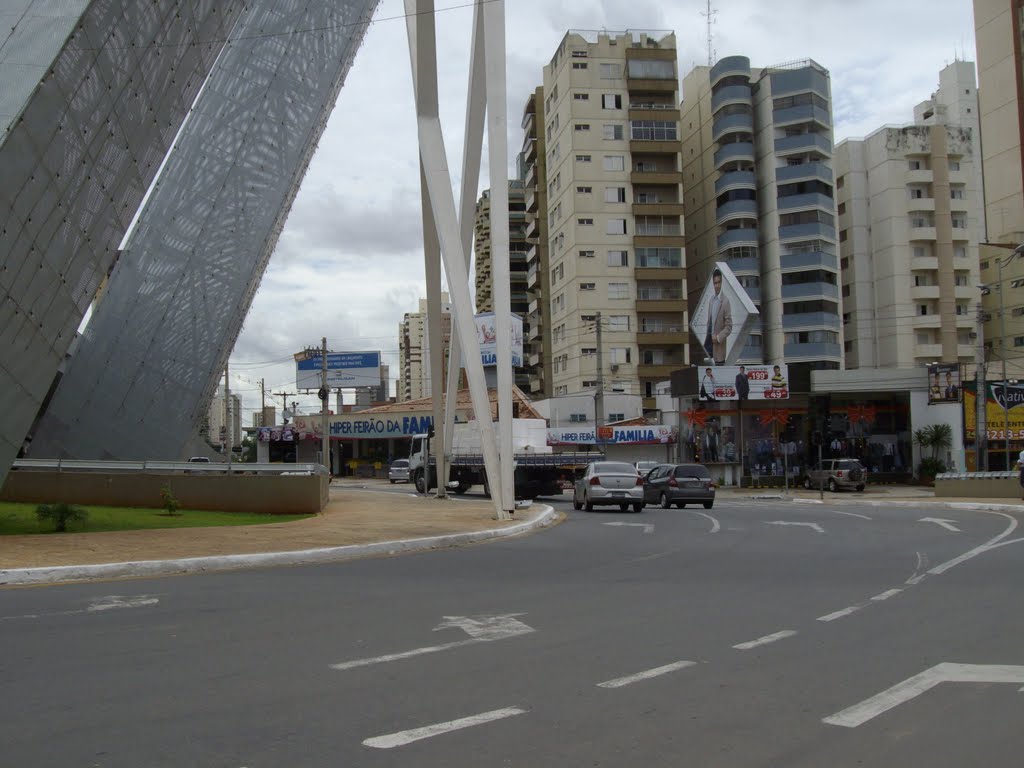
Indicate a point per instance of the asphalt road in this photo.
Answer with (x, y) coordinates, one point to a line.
(758, 633)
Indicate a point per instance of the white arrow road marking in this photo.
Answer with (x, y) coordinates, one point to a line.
(903, 692)
(947, 524)
(715, 526)
(482, 629)
(765, 640)
(812, 526)
(648, 527)
(619, 682)
(107, 603)
(402, 738)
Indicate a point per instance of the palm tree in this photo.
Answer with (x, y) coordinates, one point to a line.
(936, 437)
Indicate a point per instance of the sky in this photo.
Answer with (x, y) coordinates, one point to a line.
(349, 262)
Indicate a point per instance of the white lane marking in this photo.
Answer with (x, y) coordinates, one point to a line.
(402, 738)
(839, 614)
(886, 595)
(990, 544)
(481, 629)
(96, 604)
(858, 714)
(812, 526)
(765, 640)
(947, 524)
(715, 527)
(922, 562)
(619, 682)
(648, 527)
(851, 514)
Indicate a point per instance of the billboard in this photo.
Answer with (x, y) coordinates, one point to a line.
(998, 419)
(344, 369)
(744, 382)
(642, 434)
(723, 317)
(486, 334)
(943, 383)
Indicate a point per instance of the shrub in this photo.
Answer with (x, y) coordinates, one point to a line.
(171, 504)
(929, 468)
(60, 515)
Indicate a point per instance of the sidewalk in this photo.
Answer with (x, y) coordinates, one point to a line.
(358, 521)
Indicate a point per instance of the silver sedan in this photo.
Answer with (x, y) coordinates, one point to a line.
(607, 483)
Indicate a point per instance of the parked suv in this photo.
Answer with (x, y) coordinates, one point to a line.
(837, 473)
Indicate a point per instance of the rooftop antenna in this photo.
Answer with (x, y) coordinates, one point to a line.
(710, 16)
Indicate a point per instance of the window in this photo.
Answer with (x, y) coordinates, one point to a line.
(1018, 341)
(842, 208)
(584, 190)
(621, 355)
(588, 319)
(589, 384)
(612, 132)
(842, 235)
(920, 281)
(614, 163)
(582, 158)
(586, 254)
(582, 126)
(959, 222)
(618, 290)
(585, 221)
(618, 322)
(579, 54)
(613, 417)
(961, 309)
(960, 252)
(923, 337)
(615, 194)
(846, 291)
(844, 263)
(587, 286)
(954, 165)
(961, 280)
(618, 258)
(916, 194)
(956, 194)
(579, 65)
(615, 227)
(915, 165)
(588, 351)
(581, 96)
(919, 252)
(922, 309)
(653, 130)
(611, 71)
(840, 182)
(611, 101)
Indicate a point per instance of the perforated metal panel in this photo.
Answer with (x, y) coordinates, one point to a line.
(92, 95)
(148, 363)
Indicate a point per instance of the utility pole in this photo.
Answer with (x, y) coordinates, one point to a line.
(227, 414)
(284, 401)
(263, 399)
(599, 397)
(980, 399)
(324, 393)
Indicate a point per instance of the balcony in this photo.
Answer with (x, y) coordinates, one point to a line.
(735, 152)
(803, 172)
(661, 372)
(731, 124)
(815, 229)
(531, 201)
(809, 260)
(811, 200)
(731, 237)
(660, 273)
(533, 359)
(660, 339)
(810, 291)
(655, 146)
(658, 241)
(642, 178)
(927, 321)
(924, 263)
(654, 112)
(805, 142)
(745, 265)
(660, 304)
(730, 94)
(812, 351)
(657, 209)
(922, 233)
(802, 321)
(920, 176)
(924, 204)
(730, 65)
(805, 113)
(529, 149)
(533, 306)
(532, 276)
(658, 229)
(924, 292)
(735, 180)
(736, 209)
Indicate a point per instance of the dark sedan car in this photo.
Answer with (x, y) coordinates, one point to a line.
(679, 484)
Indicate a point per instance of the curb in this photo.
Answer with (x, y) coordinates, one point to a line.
(142, 568)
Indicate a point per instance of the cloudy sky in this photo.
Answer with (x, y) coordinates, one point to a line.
(349, 261)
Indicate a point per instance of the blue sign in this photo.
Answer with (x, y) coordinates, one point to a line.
(344, 369)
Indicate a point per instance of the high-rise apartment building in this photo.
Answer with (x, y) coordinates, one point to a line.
(908, 209)
(413, 352)
(225, 428)
(536, 330)
(517, 248)
(614, 213)
(758, 189)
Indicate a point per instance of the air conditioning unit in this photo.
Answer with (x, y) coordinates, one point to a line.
(615, 367)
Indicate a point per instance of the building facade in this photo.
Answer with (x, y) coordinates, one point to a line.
(908, 207)
(225, 426)
(759, 191)
(614, 213)
(413, 353)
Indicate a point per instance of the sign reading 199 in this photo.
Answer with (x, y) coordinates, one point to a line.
(758, 375)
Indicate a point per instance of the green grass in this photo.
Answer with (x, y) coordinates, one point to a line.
(17, 518)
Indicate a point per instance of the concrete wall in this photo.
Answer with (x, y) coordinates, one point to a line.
(980, 488)
(289, 494)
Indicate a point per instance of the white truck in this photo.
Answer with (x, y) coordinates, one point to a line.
(538, 471)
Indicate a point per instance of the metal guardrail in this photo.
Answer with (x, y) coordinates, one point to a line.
(216, 468)
(1000, 475)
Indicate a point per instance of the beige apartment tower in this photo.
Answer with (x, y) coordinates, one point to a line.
(614, 213)
(413, 350)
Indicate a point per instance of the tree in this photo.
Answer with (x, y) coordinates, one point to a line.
(249, 449)
(60, 515)
(936, 438)
(170, 503)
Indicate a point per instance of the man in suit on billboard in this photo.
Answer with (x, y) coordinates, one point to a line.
(719, 321)
(742, 384)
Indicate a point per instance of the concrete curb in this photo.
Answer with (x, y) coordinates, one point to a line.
(545, 516)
